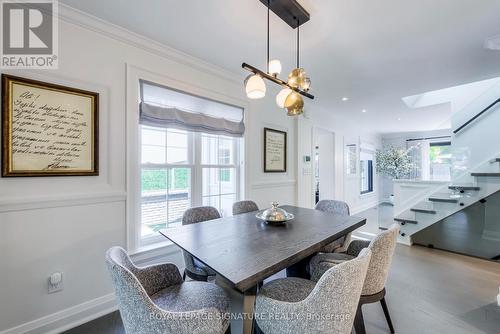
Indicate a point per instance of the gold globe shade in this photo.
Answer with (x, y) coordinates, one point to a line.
(297, 77)
(294, 104)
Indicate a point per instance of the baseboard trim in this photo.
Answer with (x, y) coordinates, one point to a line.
(68, 318)
(491, 235)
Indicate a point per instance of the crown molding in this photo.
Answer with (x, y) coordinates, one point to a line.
(493, 43)
(87, 21)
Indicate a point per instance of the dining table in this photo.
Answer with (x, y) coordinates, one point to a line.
(244, 250)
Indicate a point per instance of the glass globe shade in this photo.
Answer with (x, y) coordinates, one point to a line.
(306, 85)
(255, 86)
(274, 67)
(281, 97)
(296, 77)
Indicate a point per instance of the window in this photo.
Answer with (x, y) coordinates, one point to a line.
(431, 158)
(168, 168)
(186, 159)
(166, 172)
(440, 161)
(219, 172)
(366, 172)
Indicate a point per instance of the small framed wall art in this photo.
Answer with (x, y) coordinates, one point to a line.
(274, 151)
(48, 129)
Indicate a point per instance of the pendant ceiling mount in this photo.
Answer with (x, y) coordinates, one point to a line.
(289, 11)
(298, 83)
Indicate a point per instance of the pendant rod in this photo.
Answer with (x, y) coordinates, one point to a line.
(268, 10)
(298, 42)
(278, 81)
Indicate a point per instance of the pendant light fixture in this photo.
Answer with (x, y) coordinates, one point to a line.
(298, 84)
(255, 86)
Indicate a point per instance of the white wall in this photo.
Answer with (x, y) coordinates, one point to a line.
(347, 188)
(66, 223)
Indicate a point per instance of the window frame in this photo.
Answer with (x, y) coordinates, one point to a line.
(370, 178)
(134, 74)
(370, 172)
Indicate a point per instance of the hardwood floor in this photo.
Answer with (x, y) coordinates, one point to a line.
(428, 291)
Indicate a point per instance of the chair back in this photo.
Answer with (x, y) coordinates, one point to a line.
(194, 216)
(337, 294)
(382, 248)
(333, 206)
(337, 208)
(199, 214)
(133, 300)
(244, 207)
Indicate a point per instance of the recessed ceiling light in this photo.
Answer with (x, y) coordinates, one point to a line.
(399, 118)
(345, 99)
(364, 110)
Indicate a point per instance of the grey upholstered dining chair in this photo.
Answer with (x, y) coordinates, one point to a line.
(194, 268)
(338, 208)
(296, 305)
(382, 247)
(155, 299)
(244, 207)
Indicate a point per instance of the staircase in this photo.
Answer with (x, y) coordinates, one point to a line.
(449, 200)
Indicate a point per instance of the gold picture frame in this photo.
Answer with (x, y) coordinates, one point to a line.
(48, 129)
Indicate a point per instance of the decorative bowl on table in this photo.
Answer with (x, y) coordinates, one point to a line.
(275, 215)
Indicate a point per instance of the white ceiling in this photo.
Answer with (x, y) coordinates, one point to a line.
(374, 52)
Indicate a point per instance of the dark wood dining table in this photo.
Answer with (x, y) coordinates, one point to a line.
(244, 250)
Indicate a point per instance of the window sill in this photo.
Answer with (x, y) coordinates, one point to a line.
(370, 194)
(151, 251)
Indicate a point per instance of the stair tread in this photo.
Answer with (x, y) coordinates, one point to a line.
(406, 219)
(443, 198)
(463, 187)
(485, 174)
(423, 210)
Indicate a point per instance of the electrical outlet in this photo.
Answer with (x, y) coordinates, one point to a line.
(55, 282)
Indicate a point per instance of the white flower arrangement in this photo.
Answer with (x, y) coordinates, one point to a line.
(394, 162)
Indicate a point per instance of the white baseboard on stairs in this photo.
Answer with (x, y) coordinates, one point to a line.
(66, 319)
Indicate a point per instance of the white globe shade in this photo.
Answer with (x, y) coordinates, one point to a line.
(274, 67)
(281, 97)
(255, 87)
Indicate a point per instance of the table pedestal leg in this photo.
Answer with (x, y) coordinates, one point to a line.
(299, 269)
(249, 309)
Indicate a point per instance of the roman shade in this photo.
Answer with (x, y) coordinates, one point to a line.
(161, 106)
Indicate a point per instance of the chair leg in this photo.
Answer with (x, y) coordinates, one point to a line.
(359, 323)
(387, 316)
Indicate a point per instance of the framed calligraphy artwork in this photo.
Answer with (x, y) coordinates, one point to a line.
(274, 151)
(48, 130)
